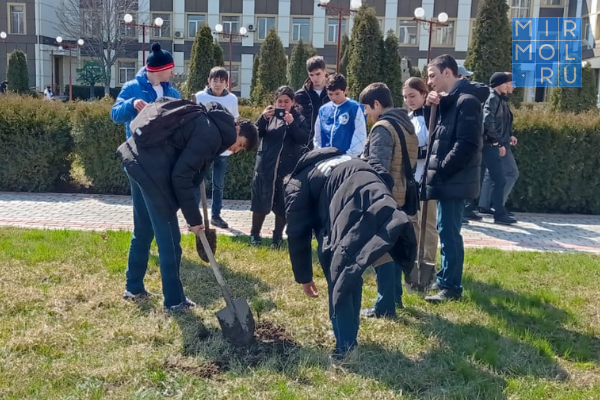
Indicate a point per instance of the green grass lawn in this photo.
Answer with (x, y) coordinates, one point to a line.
(528, 328)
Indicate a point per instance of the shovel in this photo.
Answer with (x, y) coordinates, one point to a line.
(236, 320)
(211, 234)
(425, 270)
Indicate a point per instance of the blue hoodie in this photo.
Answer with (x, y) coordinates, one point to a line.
(137, 89)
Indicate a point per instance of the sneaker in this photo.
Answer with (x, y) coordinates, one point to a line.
(137, 296)
(505, 220)
(473, 215)
(347, 357)
(442, 296)
(217, 221)
(371, 313)
(486, 210)
(183, 306)
(255, 240)
(276, 244)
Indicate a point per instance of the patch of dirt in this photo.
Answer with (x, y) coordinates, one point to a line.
(207, 370)
(269, 340)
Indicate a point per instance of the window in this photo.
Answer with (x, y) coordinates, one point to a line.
(444, 35)
(194, 21)
(126, 71)
(126, 30)
(519, 8)
(588, 35)
(264, 25)
(231, 23)
(332, 29)
(552, 3)
(408, 34)
(235, 84)
(17, 19)
(301, 29)
(165, 29)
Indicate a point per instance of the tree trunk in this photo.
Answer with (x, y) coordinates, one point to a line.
(92, 97)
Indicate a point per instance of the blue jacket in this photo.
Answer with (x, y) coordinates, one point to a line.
(341, 126)
(139, 88)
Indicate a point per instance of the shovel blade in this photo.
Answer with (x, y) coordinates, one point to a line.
(421, 277)
(237, 323)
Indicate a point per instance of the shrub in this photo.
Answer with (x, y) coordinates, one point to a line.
(96, 140)
(17, 74)
(558, 162)
(35, 138)
(364, 64)
(272, 67)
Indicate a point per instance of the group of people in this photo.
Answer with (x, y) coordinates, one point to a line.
(323, 175)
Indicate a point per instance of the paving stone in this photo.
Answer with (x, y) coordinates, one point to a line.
(538, 232)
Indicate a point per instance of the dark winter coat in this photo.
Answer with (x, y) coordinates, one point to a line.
(353, 214)
(170, 173)
(310, 102)
(496, 120)
(454, 167)
(279, 150)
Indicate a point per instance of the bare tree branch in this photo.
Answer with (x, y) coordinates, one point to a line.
(100, 24)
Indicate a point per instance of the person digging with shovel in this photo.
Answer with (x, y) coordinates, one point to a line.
(172, 144)
(348, 204)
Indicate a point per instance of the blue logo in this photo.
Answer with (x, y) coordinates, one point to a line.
(546, 52)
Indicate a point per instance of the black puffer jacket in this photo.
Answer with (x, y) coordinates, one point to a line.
(169, 173)
(310, 102)
(454, 167)
(496, 119)
(279, 150)
(353, 214)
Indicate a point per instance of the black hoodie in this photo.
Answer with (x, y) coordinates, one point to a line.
(454, 167)
(170, 173)
(310, 102)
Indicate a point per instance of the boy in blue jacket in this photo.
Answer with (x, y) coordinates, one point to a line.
(341, 122)
(150, 84)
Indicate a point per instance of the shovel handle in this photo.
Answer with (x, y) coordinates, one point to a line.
(215, 268)
(425, 206)
(204, 205)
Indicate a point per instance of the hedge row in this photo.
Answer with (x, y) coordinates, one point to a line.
(556, 154)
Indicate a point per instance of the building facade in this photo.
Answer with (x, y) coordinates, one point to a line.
(32, 26)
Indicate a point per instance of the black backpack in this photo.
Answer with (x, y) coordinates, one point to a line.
(159, 120)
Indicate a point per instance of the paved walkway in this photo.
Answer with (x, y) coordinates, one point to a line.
(546, 232)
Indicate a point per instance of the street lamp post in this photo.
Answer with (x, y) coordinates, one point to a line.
(158, 22)
(69, 46)
(441, 21)
(230, 35)
(341, 12)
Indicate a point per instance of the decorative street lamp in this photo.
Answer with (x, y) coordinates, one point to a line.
(341, 12)
(431, 23)
(69, 46)
(3, 35)
(158, 22)
(230, 35)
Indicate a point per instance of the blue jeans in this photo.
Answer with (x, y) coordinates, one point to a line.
(449, 223)
(345, 317)
(147, 225)
(511, 173)
(509, 165)
(389, 288)
(218, 183)
(492, 189)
